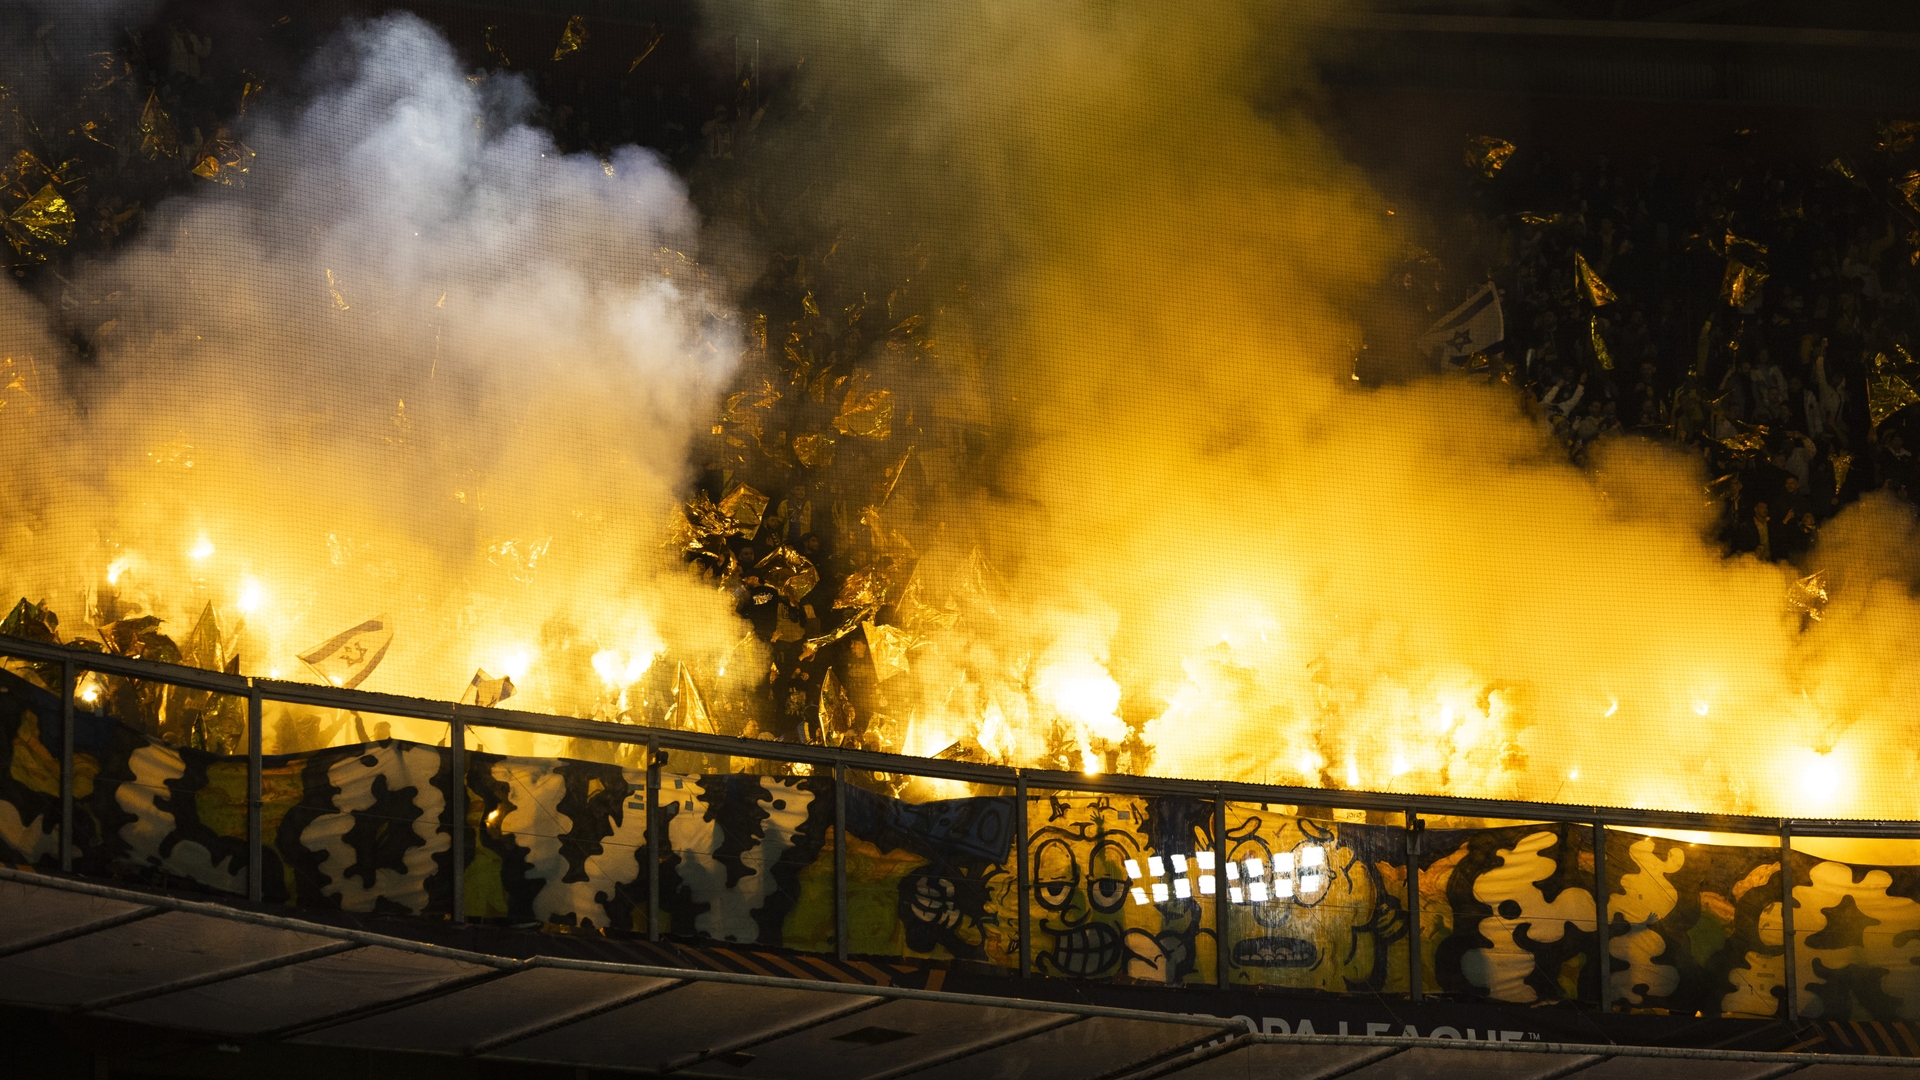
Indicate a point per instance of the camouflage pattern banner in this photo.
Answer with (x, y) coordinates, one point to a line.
(1122, 888)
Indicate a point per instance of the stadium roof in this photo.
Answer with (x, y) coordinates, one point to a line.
(227, 973)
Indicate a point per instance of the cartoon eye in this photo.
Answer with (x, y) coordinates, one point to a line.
(1053, 894)
(1106, 894)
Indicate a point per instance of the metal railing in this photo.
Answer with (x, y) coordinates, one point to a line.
(458, 717)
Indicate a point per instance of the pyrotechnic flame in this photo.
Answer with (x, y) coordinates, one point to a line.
(617, 668)
(515, 664)
(1819, 778)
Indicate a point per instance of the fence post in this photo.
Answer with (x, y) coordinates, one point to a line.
(66, 765)
(1020, 884)
(1791, 976)
(1416, 958)
(457, 741)
(653, 836)
(1602, 919)
(1222, 959)
(256, 841)
(839, 860)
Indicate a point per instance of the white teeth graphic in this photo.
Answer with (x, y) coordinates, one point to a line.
(1088, 950)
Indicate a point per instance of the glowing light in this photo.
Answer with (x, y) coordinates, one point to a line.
(1400, 765)
(252, 596)
(1353, 774)
(1082, 689)
(273, 673)
(1613, 706)
(90, 694)
(514, 665)
(201, 549)
(1573, 774)
(116, 568)
(618, 669)
(1820, 777)
(1701, 707)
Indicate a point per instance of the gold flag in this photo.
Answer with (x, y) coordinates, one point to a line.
(654, 36)
(865, 412)
(744, 507)
(1808, 596)
(1887, 395)
(571, 38)
(1599, 344)
(888, 646)
(1742, 284)
(1487, 155)
(836, 712)
(204, 647)
(1588, 283)
(689, 709)
(157, 137)
(788, 573)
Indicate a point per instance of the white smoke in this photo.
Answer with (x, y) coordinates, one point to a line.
(418, 363)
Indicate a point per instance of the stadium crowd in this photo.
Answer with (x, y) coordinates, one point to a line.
(1762, 315)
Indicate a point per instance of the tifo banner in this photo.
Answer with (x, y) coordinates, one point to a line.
(1122, 889)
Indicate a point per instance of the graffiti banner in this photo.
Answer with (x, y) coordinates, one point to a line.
(1122, 890)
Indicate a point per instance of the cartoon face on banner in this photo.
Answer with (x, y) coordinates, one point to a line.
(1079, 849)
(1303, 909)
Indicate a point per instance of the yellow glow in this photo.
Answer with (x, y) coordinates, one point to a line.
(1613, 707)
(202, 548)
(1573, 774)
(1082, 690)
(1819, 778)
(616, 670)
(118, 567)
(252, 596)
(1701, 707)
(514, 665)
